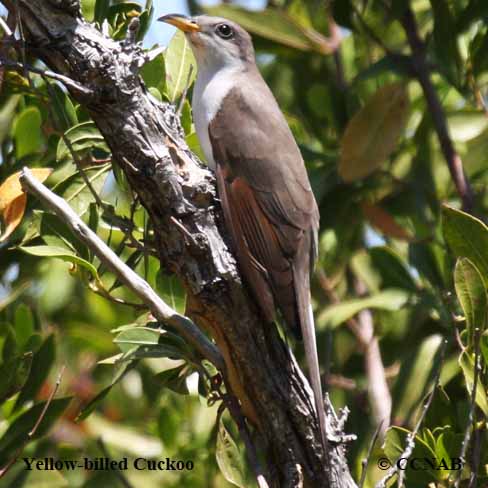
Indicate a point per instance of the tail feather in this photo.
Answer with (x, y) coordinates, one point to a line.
(301, 274)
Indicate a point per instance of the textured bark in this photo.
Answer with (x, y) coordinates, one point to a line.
(146, 141)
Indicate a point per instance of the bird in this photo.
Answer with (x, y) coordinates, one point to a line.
(269, 208)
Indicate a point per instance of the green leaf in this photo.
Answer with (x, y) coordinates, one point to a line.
(174, 379)
(425, 259)
(18, 430)
(466, 124)
(154, 74)
(383, 268)
(83, 138)
(27, 132)
(466, 361)
(56, 233)
(445, 42)
(475, 11)
(88, 9)
(186, 119)
(60, 253)
(7, 113)
(467, 237)
(76, 192)
(373, 132)
(136, 336)
(171, 290)
(229, 458)
(179, 61)
(395, 443)
(471, 293)
(145, 20)
(484, 345)
(90, 407)
(101, 10)
(10, 347)
(13, 375)
(42, 362)
(337, 314)
(63, 108)
(416, 374)
(24, 324)
(272, 23)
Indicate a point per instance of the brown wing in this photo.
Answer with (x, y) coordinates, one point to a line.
(268, 204)
(258, 249)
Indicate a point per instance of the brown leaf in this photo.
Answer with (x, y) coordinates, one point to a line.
(11, 188)
(12, 215)
(373, 132)
(13, 200)
(384, 222)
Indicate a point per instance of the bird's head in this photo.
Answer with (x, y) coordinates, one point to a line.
(215, 41)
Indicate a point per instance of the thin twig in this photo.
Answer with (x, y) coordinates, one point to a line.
(75, 157)
(33, 431)
(6, 29)
(363, 329)
(132, 280)
(68, 82)
(365, 461)
(132, 30)
(410, 441)
(185, 91)
(470, 425)
(422, 72)
(235, 411)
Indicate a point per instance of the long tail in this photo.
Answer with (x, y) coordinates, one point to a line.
(307, 326)
(309, 342)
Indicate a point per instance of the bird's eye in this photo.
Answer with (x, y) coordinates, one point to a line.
(225, 31)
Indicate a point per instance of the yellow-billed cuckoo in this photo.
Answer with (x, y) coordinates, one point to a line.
(269, 207)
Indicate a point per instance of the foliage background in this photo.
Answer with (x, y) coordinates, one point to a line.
(388, 248)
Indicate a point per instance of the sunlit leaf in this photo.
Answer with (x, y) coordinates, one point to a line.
(395, 444)
(229, 458)
(60, 253)
(337, 314)
(27, 132)
(471, 293)
(13, 200)
(467, 237)
(466, 361)
(416, 374)
(180, 66)
(12, 215)
(11, 188)
(83, 138)
(272, 24)
(466, 124)
(63, 108)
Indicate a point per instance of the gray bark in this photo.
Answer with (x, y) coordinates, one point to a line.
(147, 143)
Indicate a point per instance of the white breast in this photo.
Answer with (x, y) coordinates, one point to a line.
(210, 89)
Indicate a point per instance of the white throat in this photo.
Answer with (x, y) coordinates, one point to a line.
(211, 87)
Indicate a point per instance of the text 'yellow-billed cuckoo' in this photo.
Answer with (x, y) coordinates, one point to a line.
(269, 207)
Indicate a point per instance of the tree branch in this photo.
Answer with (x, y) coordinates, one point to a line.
(422, 72)
(126, 275)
